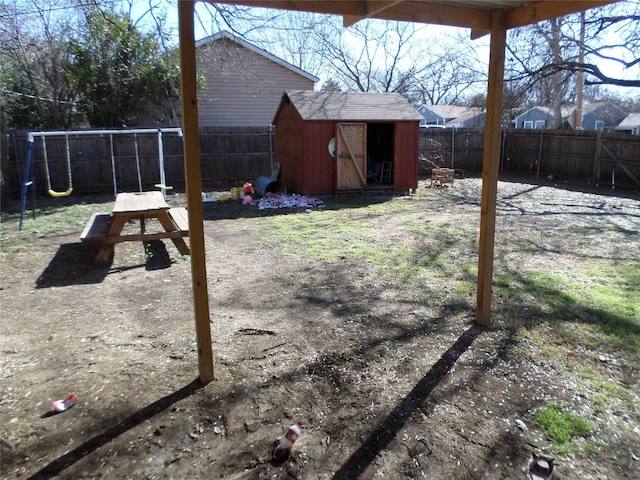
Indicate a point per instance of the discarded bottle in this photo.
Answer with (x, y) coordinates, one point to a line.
(64, 404)
(282, 450)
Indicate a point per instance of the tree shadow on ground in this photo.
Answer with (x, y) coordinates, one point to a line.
(61, 463)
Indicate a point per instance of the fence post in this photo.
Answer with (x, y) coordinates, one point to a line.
(540, 153)
(596, 159)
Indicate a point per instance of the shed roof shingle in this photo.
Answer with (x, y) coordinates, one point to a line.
(351, 106)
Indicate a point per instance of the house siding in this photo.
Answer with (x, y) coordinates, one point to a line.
(534, 115)
(243, 87)
(430, 118)
(608, 114)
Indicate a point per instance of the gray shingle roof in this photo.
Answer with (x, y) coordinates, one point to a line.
(351, 106)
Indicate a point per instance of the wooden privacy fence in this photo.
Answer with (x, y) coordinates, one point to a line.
(232, 154)
(597, 158)
(238, 154)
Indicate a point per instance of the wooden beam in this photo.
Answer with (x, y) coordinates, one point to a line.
(490, 166)
(193, 181)
(476, 33)
(439, 14)
(349, 7)
(463, 14)
(405, 11)
(548, 9)
(370, 8)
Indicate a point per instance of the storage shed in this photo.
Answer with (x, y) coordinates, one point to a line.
(328, 142)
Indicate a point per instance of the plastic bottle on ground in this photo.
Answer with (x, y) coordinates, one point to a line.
(283, 448)
(65, 404)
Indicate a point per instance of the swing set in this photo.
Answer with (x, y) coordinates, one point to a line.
(29, 181)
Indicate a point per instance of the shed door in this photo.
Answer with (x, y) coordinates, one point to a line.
(351, 155)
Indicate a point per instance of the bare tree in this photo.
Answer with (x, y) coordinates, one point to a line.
(453, 73)
(614, 38)
(33, 61)
(544, 59)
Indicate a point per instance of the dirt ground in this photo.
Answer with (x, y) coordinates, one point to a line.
(389, 382)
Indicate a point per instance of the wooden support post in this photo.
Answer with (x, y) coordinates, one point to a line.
(490, 166)
(193, 181)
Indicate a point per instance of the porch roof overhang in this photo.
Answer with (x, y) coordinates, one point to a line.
(472, 14)
(492, 17)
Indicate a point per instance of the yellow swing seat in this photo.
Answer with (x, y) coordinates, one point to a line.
(66, 193)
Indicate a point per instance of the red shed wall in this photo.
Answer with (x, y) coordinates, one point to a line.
(405, 158)
(289, 133)
(318, 171)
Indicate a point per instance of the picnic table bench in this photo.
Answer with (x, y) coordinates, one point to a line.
(440, 176)
(104, 230)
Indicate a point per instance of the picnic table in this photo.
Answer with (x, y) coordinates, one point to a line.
(104, 230)
(440, 176)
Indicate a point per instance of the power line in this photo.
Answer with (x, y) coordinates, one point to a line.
(4, 90)
(16, 13)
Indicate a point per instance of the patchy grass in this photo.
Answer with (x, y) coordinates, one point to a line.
(603, 301)
(562, 426)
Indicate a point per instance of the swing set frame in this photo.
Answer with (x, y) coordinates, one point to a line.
(29, 181)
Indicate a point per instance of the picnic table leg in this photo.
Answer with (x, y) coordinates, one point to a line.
(116, 224)
(104, 254)
(169, 226)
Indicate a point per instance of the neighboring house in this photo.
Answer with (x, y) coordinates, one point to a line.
(537, 117)
(595, 116)
(630, 124)
(472, 118)
(441, 114)
(244, 83)
(451, 116)
(598, 116)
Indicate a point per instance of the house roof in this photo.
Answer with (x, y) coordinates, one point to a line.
(469, 114)
(447, 112)
(249, 46)
(351, 106)
(565, 111)
(592, 107)
(450, 112)
(630, 122)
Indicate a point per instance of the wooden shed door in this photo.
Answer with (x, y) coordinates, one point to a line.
(351, 155)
